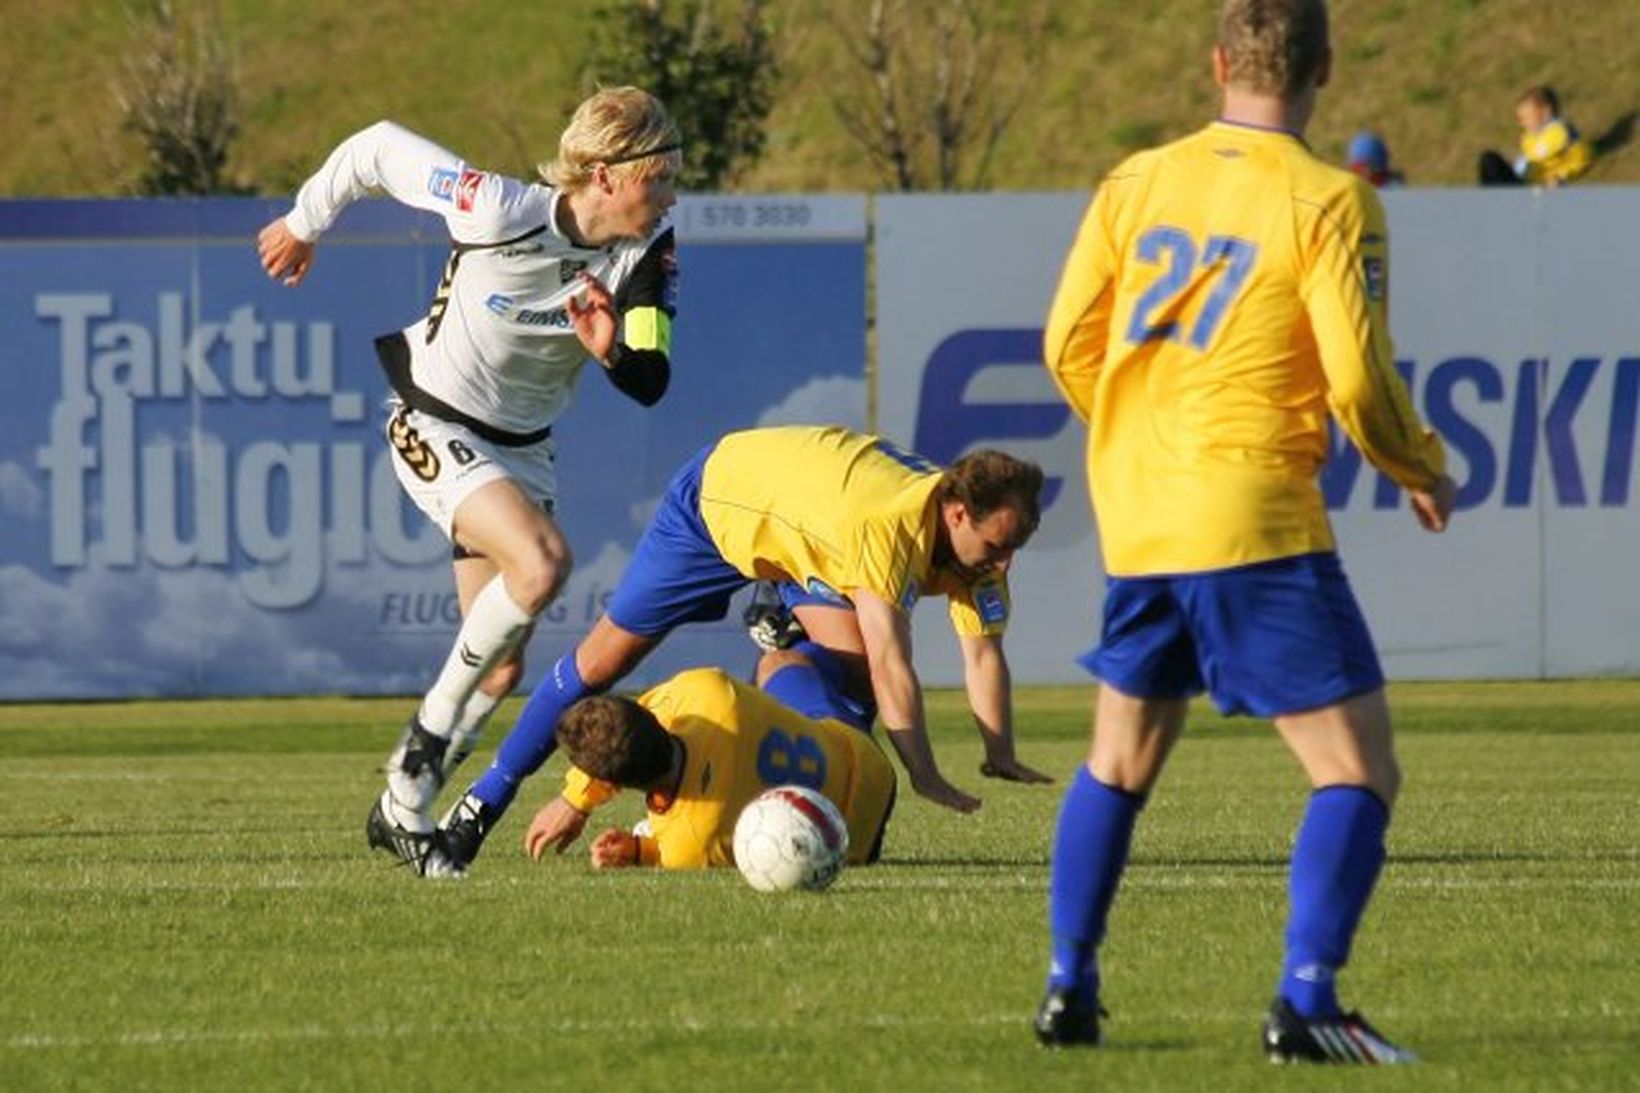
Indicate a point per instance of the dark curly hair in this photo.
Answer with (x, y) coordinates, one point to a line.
(615, 740)
(987, 480)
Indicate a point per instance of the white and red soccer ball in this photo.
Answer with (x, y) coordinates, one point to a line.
(790, 837)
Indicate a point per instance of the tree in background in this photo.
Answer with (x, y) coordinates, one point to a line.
(180, 103)
(940, 82)
(717, 79)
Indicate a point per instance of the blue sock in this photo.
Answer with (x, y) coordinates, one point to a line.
(1336, 859)
(1089, 853)
(534, 738)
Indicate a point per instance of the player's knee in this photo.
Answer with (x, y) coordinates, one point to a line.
(770, 663)
(538, 578)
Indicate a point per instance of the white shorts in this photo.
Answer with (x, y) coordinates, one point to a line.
(440, 464)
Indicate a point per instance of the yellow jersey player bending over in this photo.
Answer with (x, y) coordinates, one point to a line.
(829, 509)
(701, 746)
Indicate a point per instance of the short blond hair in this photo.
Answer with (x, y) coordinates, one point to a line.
(624, 127)
(1274, 47)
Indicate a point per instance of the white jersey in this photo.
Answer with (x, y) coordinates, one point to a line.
(496, 344)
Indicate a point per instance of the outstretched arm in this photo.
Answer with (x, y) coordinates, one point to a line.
(558, 825)
(561, 819)
(886, 631)
(990, 696)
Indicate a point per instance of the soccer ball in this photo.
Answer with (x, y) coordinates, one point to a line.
(790, 837)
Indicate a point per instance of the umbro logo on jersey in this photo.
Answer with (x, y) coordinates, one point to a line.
(569, 269)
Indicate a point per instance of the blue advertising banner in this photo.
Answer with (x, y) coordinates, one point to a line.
(195, 497)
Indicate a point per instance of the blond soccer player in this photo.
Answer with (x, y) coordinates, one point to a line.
(542, 278)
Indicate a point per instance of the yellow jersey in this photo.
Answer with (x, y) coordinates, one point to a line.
(1223, 294)
(738, 742)
(831, 509)
(1554, 152)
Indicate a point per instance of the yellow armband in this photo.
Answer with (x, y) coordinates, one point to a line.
(586, 792)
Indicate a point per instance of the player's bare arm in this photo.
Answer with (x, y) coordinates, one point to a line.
(990, 697)
(558, 825)
(886, 631)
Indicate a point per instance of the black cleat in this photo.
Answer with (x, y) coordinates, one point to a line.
(461, 835)
(769, 623)
(1348, 1039)
(1065, 1021)
(410, 847)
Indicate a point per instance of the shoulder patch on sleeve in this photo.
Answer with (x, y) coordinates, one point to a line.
(908, 598)
(1372, 273)
(991, 604)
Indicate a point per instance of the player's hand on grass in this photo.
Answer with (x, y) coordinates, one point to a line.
(614, 849)
(558, 824)
(1009, 769)
(592, 313)
(941, 792)
(286, 258)
(1433, 506)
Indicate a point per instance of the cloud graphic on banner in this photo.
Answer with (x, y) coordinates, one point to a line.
(828, 400)
(20, 495)
(642, 512)
(150, 632)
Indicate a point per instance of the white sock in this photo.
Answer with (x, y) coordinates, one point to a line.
(469, 727)
(492, 627)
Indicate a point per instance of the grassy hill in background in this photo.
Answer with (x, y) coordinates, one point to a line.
(495, 82)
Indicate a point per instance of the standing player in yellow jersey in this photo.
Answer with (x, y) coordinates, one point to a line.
(701, 746)
(1224, 294)
(825, 507)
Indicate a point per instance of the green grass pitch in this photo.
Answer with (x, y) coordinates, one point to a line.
(187, 903)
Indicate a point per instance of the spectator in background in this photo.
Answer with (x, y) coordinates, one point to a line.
(1369, 158)
(1552, 152)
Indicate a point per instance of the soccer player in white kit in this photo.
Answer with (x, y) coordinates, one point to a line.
(542, 277)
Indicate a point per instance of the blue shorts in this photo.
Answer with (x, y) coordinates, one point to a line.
(1267, 639)
(793, 595)
(677, 574)
(822, 690)
(819, 691)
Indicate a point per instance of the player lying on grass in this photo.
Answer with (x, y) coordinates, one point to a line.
(784, 613)
(830, 508)
(701, 746)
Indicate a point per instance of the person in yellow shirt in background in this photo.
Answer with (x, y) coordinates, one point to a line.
(1552, 152)
(1224, 295)
(833, 510)
(701, 746)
